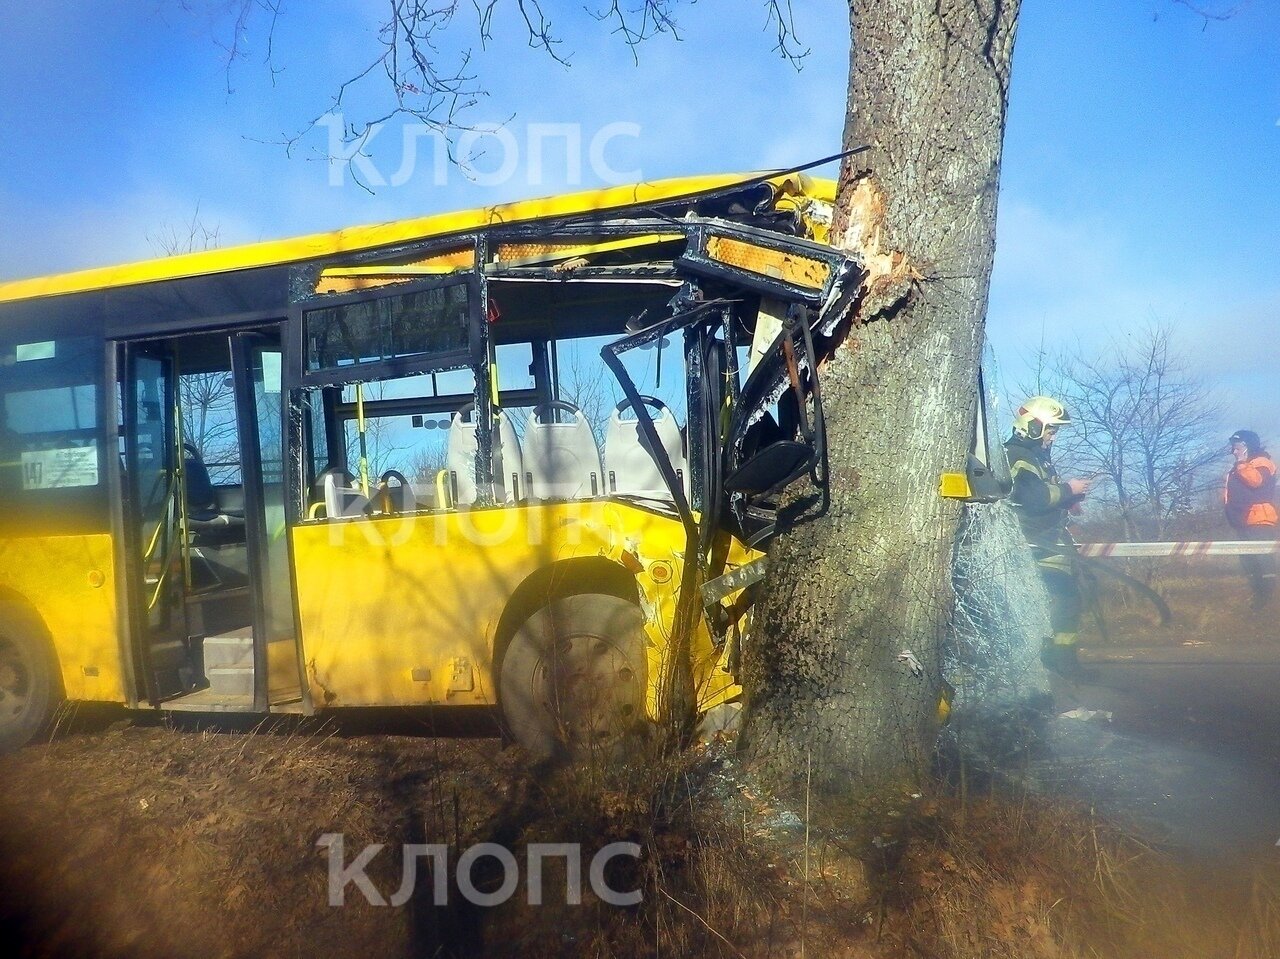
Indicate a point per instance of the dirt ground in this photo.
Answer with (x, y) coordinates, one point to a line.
(145, 839)
(160, 841)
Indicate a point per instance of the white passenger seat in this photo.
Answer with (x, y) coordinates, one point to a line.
(630, 466)
(561, 460)
(460, 460)
(340, 499)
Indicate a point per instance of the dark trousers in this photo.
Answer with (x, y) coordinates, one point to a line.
(1261, 570)
(1064, 605)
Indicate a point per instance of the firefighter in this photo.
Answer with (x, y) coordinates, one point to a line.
(1249, 499)
(1042, 501)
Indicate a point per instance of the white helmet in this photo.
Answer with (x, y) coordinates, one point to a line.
(1037, 413)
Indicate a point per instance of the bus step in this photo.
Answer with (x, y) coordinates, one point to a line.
(230, 680)
(206, 701)
(232, 649)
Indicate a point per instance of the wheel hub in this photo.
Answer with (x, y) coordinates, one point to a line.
(591, 688)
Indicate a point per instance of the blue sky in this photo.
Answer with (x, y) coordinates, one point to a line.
(1140, 178)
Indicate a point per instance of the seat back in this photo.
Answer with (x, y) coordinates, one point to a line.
(508, 462)
(400, 499)
(341, 499)
(460, 459)
(629, 463)
(202, 499)
(561, 460)
(460, 456)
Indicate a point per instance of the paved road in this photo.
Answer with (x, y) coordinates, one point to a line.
(1191, 758)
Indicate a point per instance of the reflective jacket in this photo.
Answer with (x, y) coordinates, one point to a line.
(1040, 498)
(1251, 492)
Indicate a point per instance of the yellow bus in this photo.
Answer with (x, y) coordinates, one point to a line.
(487, 459)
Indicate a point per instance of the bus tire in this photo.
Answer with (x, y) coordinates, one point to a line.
(30, 687)
(572, 682)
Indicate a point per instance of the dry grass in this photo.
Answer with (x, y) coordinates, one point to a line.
(154, 842)
(1040, 880)
(727, 872)
(1209, 599)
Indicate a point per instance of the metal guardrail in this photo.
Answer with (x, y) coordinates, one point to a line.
(1187, 549)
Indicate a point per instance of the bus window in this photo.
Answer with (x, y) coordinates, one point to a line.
(209, 423)
(49, 419)
(581, 378)
(434, 321)
(414, 446)
(406, 428)
(444, 383)
(515, 366)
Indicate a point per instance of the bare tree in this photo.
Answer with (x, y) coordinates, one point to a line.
(173, 239)
(426, 462)
(1143, 420)
(420, 65)
(209, 422)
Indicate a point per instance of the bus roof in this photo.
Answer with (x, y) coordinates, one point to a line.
(362, 238)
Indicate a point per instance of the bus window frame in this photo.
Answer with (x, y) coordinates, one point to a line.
(395, 367)
(61, 509)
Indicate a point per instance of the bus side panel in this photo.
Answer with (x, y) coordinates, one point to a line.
(69, 582)
(403, 610)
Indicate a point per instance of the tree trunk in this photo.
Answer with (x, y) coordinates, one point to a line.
(849, 592)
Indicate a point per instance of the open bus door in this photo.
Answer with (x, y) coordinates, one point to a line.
(205, 560)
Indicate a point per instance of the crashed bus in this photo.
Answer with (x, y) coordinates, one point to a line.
(496, 459)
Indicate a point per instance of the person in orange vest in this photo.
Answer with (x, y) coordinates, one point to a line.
(1249, 499)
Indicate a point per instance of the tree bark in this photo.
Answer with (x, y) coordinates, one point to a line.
(850, 591)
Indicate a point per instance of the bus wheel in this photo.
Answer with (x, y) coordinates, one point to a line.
(573, 679)
(29, 688)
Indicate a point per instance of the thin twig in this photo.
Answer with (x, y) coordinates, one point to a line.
(704, 922)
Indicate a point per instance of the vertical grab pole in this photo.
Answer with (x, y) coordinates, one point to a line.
(364, 452)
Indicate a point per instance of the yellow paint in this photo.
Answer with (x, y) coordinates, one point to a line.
(56, 576)
(384, 600)
(282, 669)
(361, 238)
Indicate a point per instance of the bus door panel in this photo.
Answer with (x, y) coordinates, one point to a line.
(256, 366)
(153, 536)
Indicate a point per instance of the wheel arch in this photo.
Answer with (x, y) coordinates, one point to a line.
(568, 577)
(17, 609)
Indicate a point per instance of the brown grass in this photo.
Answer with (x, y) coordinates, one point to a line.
(158, 842)
(1209, 599)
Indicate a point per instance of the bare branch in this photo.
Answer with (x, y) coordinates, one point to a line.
(540, 36)
(1141, 418)
(1200, 10)
(636, 25)
(190, 237)
(782, 16)
(419, 70)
